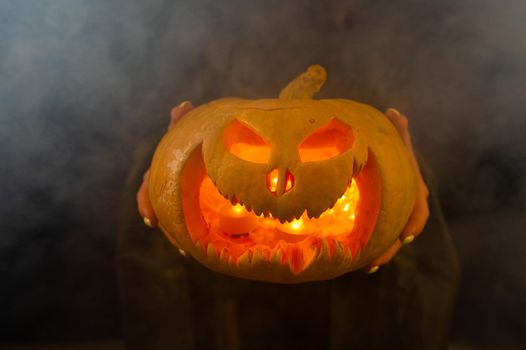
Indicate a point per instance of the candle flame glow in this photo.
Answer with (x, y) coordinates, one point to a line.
(288, 186)
(296, 224)
(336, 220)
(273, 183)
(238, 208)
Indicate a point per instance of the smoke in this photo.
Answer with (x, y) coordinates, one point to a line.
(83, 83)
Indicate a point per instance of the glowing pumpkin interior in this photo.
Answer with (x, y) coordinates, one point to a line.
(233, 231)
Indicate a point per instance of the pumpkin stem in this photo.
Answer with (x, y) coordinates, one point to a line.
(306, 85)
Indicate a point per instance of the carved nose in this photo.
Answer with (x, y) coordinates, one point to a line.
(279, 182)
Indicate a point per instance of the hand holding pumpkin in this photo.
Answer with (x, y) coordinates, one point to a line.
(143, 200)
(329, 186)
(420, 214)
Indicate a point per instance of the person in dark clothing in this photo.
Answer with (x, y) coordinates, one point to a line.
(170, 301)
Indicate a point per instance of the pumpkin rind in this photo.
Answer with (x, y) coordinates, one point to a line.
(197, 138)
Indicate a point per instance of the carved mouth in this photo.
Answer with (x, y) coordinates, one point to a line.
(225, 231)
(346, 203)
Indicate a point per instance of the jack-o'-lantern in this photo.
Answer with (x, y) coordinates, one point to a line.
(284, 190)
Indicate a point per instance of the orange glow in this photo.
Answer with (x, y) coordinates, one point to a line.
(344, 228)
(245, 143)
(251, 153)
(295, 228)
(336, 221)
(238, 209)
(315, 154)
(328, 141)
(235, 219)
(289, 182)
(295, 225)
(273, 181)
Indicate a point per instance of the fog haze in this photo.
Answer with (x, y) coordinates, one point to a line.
(83, 83)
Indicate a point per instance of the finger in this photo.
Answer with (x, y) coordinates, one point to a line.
(385, 257)
(418, 218)
(143, 202)
(177, 112)
(417, 221)
(401, 124)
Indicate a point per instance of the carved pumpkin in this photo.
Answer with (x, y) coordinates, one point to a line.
(284, 190)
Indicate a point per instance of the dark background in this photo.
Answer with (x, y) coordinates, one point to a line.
(84, 83)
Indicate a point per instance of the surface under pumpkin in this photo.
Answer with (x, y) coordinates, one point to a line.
(285, 190)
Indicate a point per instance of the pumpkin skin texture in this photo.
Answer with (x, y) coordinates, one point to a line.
(287, 159)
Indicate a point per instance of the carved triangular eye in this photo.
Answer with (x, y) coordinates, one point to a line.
(330, 140)
(243, 142)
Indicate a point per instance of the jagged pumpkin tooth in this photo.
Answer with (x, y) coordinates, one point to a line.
(310, 254)
(295, 259)
(349, 258)
(267, 254)
(199, 247)
(348, 253)
(339, 253)
(257, 257)
(232, 261)
(257, 211)
(223, 256)
(277, 256)
(339, 248)
(357, 255)
(325, 251)
(211, 252)
(244, 260)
